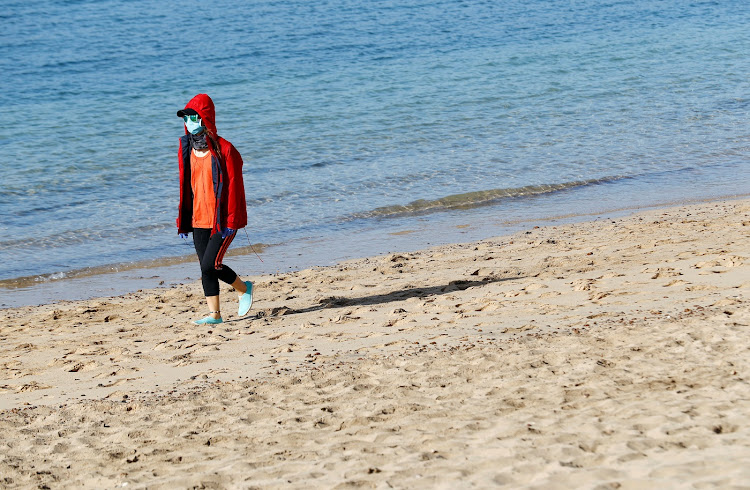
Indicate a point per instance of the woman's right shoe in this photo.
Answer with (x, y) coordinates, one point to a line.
(246, 300)
(209, 320)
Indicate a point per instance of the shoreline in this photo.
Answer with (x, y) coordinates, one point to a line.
(607, 352)
(406, 236)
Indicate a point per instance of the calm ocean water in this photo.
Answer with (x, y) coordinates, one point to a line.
(357, 117)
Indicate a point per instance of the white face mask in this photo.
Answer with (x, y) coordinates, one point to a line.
(195, 127)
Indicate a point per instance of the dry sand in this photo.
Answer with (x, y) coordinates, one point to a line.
(606, 354)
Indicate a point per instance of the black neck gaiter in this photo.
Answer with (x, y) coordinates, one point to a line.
(198, 141)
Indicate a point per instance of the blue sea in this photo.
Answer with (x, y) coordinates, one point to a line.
(365, 126)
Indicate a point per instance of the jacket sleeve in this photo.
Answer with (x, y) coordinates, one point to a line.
(183, 213)
(236, 204)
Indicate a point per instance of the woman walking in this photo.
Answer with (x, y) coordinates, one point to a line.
(212, 202)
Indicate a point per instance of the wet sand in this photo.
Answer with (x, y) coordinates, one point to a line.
(605, 354)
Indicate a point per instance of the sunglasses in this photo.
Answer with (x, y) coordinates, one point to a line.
(192, 117)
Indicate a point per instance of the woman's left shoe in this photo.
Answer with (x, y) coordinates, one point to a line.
(209, 320)
(246, 300)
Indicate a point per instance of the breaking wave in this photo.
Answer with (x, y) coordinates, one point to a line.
(478, 198)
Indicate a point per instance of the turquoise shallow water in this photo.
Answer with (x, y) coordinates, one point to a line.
(356, 119)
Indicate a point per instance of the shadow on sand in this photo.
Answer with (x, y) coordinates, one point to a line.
(404, 294)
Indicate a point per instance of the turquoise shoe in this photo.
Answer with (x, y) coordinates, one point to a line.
(209, 320)
(246, 300)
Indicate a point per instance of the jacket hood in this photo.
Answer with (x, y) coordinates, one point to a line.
(204, 106)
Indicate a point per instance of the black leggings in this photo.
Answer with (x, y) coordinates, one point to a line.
(211, 250)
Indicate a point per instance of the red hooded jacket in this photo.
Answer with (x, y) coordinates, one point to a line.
(226, 165)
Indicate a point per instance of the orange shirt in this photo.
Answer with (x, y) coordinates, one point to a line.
(204, 200)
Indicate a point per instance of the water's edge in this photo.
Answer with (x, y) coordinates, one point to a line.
(460, 227)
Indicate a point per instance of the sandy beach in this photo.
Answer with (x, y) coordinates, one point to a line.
(606, 354)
